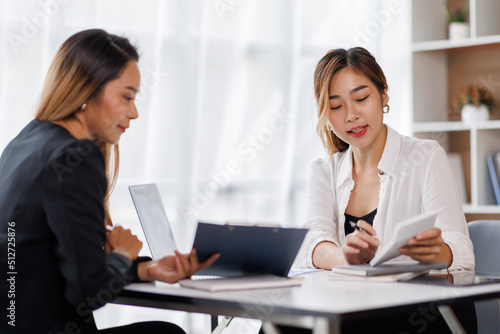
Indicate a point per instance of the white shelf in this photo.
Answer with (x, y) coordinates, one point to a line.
(455, 44)
(454, 126)
(441, 67)
(481, 209)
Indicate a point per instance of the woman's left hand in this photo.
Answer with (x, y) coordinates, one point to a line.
(428, 246)
(172, 268)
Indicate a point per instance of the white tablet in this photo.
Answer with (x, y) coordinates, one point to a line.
(402, 233)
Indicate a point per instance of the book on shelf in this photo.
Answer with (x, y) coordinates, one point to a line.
(456, 165)
(493, 163)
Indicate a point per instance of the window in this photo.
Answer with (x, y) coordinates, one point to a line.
(227, 112)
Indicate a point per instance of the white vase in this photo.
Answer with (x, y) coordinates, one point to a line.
(471, 113)
(458, 30)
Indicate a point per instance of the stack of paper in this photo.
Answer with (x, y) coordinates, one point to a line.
(387, 268)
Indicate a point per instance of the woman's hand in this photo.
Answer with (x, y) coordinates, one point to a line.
(360, 246)
(172, 268)
(428, 246)
(122, 241)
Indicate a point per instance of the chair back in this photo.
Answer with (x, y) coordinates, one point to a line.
(485, 236)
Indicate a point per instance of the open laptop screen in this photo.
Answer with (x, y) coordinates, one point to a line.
(154, 222)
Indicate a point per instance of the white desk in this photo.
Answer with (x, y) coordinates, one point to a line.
(320, 304)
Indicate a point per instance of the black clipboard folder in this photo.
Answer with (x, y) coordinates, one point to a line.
(248, 249)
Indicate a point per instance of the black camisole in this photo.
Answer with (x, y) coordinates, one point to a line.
(367, 218)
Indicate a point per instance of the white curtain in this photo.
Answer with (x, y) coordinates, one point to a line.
(227, 115)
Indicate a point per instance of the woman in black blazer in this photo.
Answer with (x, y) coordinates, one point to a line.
(58, 260)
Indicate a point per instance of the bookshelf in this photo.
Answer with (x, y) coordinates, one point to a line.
(440, 68)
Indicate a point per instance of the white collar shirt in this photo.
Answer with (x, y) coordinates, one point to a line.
(415, 178)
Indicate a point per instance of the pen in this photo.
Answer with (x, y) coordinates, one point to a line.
(356, 227)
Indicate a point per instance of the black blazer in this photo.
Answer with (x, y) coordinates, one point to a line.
(54, 270)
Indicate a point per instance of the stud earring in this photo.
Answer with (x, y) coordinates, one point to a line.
(83, 106)
(387, 109)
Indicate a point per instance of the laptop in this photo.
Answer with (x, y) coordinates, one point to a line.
(153, 219)
(212, 237)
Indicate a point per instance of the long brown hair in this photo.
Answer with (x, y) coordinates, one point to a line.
(359, 60)
(81, 68)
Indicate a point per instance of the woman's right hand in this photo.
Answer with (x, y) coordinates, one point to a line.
(172, 268)
(360, 246)
(122, 241)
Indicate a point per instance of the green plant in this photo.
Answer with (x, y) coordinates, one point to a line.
(473, 94)
(460, 14)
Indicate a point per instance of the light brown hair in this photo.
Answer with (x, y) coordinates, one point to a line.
(81, 68)
(359, 60)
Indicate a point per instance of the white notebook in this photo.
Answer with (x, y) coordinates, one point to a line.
(240, 283)
(403, 231)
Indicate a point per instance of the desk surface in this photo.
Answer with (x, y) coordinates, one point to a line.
(317, 297)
